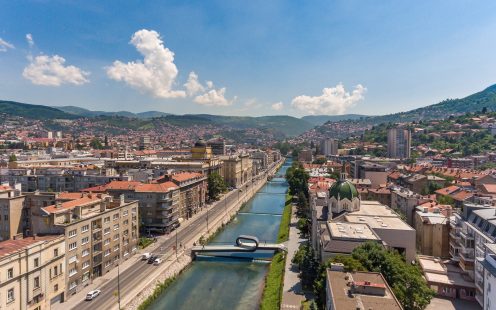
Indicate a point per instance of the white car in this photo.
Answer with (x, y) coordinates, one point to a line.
(146, 256)
(92, 294)
(157, 261)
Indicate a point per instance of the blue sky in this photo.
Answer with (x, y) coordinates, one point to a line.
(262, 57)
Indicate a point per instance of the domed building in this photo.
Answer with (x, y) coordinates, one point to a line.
(343, 196)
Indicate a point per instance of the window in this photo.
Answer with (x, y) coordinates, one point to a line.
(126, 222)
(86, 264)
(10, 295)
(36, 282)
(116, 226)
(86, 277)
(56, 252)
(36, 262)
(106, 220)
(85, 228)
(85, 240)
(72, 272)
(107, 252)
(55, 287)
(125, 213)
(72, 259)
(6, 217)
(55, 271)
(116, 216)
(106, 231)
(107, 263)
(116, 237)
(106, 242)
(85, 252)
(72, 246)
(73, 285)
(10, 273)
(116, 248)
(72, 233)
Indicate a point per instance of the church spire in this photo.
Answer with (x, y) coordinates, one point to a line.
(342, 176)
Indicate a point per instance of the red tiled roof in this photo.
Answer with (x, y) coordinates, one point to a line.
(72, 204)
(8, 247)
(184, 176)
(462, 195)
(156, 187)
(69, 196)
(447, 190)
(122, 185)
(489, 188)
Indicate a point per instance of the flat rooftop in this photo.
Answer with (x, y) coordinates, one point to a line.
(342, 300)
(351, 231)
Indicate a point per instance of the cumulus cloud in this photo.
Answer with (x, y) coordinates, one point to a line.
(157, 72)
(29, 39)
(192, 85)
(52, 71)
(334, 100)
(4, 45)
(214, 97)
(277, 106)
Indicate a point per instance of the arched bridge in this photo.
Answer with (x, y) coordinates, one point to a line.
(244, 243)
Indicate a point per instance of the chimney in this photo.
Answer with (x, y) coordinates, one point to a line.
(58, 205)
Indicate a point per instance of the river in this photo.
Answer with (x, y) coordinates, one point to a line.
(233, 282)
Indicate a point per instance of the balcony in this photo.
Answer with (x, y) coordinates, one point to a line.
(454, 235)
(455, 255)
(96, 228)
(466, 236)
(467, 256)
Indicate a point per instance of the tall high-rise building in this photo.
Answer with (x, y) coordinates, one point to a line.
(329, 147)
(218, 146)
(399, 142)
(144, 143)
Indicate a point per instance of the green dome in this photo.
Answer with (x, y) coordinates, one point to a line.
(343, 189)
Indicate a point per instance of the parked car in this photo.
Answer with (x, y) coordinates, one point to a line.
(152, 259)
(157, 261)
(92, 294)
(146, 256)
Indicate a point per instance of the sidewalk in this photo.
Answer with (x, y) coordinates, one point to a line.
(292, 294)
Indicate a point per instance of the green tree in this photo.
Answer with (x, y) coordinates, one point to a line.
(216, 186)
(96, 144)
(12, 158)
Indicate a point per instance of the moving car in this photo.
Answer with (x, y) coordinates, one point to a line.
(152, 259)
(157, 261)
(92, 294)
(146, 256)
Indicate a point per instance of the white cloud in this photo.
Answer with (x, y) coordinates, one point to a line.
(334, 100)
(277, 106)
(51, 71)
(192, 85)
(214, 97)
(4, 45)
(157, 72)
(210, 84)
(29, 39)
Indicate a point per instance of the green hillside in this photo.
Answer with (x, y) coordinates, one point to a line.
(33, 111)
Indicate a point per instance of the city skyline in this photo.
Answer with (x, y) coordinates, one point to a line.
(245, 59)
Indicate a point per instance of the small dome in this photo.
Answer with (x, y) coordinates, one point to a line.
(343, 189)
(201, 143)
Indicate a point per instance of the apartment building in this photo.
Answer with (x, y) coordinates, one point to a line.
(159, 203)
(193, 189)
(14, 217)
(237, 169)
(472, 232)
(329, 147)
(100, 232)
(431, 224)
(405, 201)
(32, 272)
(398, 143)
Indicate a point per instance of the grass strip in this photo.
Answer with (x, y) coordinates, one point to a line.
(272, 294)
